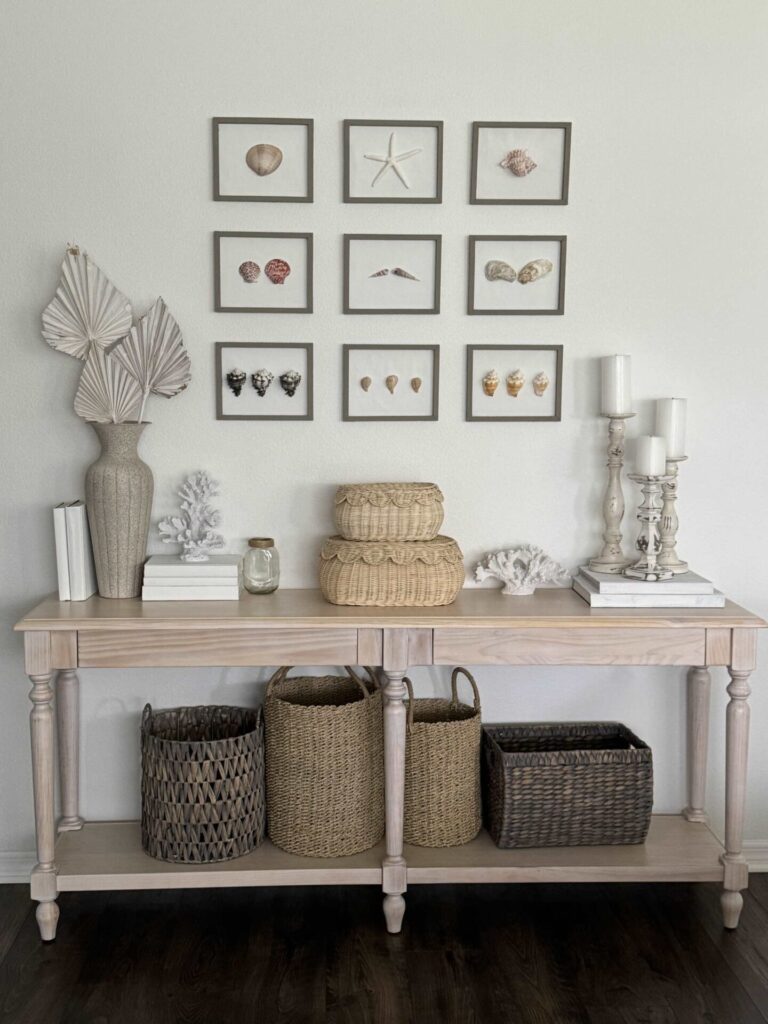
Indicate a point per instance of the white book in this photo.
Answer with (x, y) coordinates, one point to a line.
(165, 566)
(596, 600)
(610, 583)
(62, 557)
(229, 592)
(190, 581)
(82, 574)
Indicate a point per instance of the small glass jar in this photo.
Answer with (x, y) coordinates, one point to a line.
(261, 566)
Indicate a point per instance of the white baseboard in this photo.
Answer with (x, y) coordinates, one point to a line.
(756, 852)
(16, 867)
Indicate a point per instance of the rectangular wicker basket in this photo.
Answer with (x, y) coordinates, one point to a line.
(566, 784)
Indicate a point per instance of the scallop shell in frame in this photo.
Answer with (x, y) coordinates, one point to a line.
(249, 271)
(289, 382)
(490, 383)
(391, 382)
(540, 383)
(416, 383)
(534, 270)
(264, 158)
(365, 383)
(499, 270)
(518, 162)
(277, 271)
(515, 382)
(261, 380)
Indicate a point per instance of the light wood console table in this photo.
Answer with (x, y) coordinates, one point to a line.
(555, 627)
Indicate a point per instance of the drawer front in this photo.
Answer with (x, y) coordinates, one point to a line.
(158, 648)
(569, 646)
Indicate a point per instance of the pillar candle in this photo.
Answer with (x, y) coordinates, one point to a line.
(651, 456)
(670, 424)
(617, 392)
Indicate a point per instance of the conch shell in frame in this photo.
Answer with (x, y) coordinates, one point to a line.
(540, 383)
(515, 382)
(490, 383)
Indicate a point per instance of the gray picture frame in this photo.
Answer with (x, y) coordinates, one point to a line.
(472, 349)
(435, 411)
(308, 123)
(219, 308)
(437, 240)
(309, 382)
(478, 126)
(472, 241)
(351, 123)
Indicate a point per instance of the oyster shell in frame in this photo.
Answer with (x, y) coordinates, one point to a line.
(499, 270)
(535, 270)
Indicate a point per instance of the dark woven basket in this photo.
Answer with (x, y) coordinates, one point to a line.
(566, 784)
(202, 783)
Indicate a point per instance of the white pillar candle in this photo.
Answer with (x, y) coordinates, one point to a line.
(670, 424)
(617, 391)
(651, 456)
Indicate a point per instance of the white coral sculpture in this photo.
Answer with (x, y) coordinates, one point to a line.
(194, 528)
(521, 569)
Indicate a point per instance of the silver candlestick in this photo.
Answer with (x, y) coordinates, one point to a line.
(668, 558)
(649, 537)
(611, 558)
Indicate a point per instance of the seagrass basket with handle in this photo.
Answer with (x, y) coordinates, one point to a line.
(442, 768)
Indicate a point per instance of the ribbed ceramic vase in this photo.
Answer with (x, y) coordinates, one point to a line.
(118, 495)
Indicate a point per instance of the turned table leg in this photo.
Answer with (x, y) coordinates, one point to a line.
(68, 719)
(394, 867)
(736, 748)
(43, 885)
(699, 686)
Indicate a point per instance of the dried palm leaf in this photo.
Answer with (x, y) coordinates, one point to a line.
(154, 354)
(107, 393)
(86, 311)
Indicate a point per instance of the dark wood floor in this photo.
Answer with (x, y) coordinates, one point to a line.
(468, 954)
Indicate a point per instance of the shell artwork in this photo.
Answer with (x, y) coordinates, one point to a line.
(264, 158)
(194, 527)
(490, 383)
(106, 393)
(515, 382)
(277, 271)
(380, 273)
(235, 380)
(518, 162)
(249, 271)
(534, 270)
(391, 383)
(521, 569)
(540, 383)
(289, 382)
(261, 380)
(416, 383)
(499, 270)
(399, 272)
(365, 383)
(87, 310)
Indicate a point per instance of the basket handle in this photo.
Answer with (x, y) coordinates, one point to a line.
(278, 677)
(283, 671)
(356, 678)
(409, 688)
(146, 717)
(454, 684)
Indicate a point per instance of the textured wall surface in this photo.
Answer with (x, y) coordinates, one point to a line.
(106, 141)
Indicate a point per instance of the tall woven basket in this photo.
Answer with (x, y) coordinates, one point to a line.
(202, 783)
(325, 764)
(442, 768)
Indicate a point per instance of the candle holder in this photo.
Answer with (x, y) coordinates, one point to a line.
(668, 558)
(649, 538)
(611, 558)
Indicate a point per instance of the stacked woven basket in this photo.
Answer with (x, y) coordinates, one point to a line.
(389, 553)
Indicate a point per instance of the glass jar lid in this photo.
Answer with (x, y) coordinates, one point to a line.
(261, 542)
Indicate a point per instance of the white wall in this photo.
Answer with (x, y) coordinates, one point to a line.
(106, 113)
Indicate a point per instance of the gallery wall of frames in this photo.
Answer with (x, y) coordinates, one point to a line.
(258, 159)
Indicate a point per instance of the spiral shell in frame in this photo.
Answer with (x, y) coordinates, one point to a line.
(540, 383)
(264, 158)
(535, 270)
(499, 270)
(518, 162)
(399, 272)
(515, 382)
(490, 383)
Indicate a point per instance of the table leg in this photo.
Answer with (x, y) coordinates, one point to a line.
(68, 719)
(43, 885)
(699, 687)
(394, 867)
(736, 747)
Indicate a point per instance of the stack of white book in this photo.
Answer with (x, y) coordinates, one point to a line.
(74, 555)
(167, 578)
(605, 590)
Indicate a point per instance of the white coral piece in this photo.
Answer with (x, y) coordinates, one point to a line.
(521, 569)
(194, 528)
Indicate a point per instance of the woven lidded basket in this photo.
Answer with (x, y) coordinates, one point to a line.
(418, 574)
(325, 764)
(391, 512)
(442, 768)
(566, 784)
(202, 783)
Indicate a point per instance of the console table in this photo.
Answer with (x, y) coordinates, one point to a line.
(554, 627)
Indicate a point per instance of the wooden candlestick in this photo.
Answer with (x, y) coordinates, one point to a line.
(611, 558)
(668, 558)
(649, 537)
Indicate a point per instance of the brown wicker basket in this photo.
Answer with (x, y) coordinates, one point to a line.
(442, 768)
(202, 783)
(391, 512)
(566, 784)
(325, 764)
(420, 574)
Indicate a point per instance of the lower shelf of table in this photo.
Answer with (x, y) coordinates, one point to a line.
(108, 856)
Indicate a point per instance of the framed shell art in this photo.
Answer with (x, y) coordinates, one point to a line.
(514, 382)
(391, 382)
(392, 273)
(263, 159)
(521, 275)
(520, 162)
(262, 272)
(258, 380)
(393, 161)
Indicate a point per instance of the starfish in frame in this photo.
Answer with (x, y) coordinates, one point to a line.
(392, 160)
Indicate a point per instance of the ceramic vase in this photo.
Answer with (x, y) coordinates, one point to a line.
(118, 495)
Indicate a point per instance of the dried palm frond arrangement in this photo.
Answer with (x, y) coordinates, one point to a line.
(125, 362)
